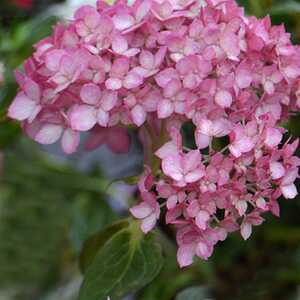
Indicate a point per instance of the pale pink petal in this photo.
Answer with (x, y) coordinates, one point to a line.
(131, 52)
(162, 10)
(92, 19)
(223, 99)
(143, 10)
(202, 140)
(83, 11)
(132, 80)
(241, 206)
(82, 29)
(49, 134)
(165, 76)
(204, 250)
(201, 219)
(160, 55)
(123, 21)
(172, 88)
(230, 44)
(221, 127)
(83, 117)
(269, 87)
(191, 161)
(273, 137)
(290, 176)
(32, 90)
(35, 112)
(142, 71)
(244, 145)
(194, 176)
(53, 59)
(243, 78)
(102, 117)
(185, 254)
(277, 170)
(113, 84)
(171, 166)
(141, 210)
(148, 223)
(90, 93)
(109, 100)
(205, 127)
(289, 191)
(138, 115)
(21, 108)
(261, 203)
(166, 150)
(172, 201)
(235, 151)
(165, 108)
(119, 44)
(246, 230)
(120, 67)
(147, 59)
(70, 141)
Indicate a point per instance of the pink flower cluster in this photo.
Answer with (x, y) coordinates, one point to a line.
(160, 64)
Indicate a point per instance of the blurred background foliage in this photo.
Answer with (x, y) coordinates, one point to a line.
(49, 206)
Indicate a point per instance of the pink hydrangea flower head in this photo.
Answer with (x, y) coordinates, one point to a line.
(160, 66)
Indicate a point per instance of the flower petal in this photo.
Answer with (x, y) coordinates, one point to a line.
(70, 141)
(21, 108)
(83, 117)
(49, 134)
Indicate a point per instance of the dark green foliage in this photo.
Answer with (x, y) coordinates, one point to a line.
(125, 261)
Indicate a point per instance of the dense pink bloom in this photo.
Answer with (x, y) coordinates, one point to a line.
(156, 66)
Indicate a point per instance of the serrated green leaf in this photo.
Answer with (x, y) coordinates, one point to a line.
(126, 262)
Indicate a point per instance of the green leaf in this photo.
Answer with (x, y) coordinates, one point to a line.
(95, 242)
(126, 261)
(192, 293)
(89, 213)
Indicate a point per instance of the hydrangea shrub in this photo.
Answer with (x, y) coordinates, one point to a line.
(158, 65)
